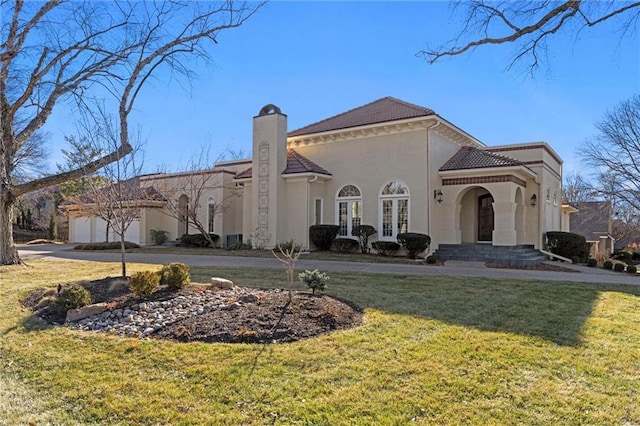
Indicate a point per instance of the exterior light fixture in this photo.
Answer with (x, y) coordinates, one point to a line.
(534, 200)
(437, 195)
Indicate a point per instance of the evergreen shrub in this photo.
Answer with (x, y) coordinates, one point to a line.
(322, 236)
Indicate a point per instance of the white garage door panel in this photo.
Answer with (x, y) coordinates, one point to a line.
(81, 229)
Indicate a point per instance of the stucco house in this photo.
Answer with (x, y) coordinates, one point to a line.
(592, 220)
(391, 164)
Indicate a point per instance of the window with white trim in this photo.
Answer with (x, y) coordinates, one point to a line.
(349, 209)
(211, 213)
(394, 210)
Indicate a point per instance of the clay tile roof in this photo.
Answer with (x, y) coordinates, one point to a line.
(380, 111)
(296, 163)
(129, 189)
(473, 158)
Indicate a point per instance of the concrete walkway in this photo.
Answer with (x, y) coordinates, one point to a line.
(450, 268)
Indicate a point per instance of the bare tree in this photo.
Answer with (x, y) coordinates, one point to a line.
(529, 25)
(576, 189)
(59, 51)
(614, 154)
(187, 194)
(117, 203)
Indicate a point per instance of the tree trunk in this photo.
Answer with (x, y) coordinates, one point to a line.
(122, 259)
(8, 251)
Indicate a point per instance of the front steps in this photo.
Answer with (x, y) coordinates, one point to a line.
(521, 255)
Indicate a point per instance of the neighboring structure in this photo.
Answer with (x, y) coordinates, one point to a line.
(391, 164)
(593, 221)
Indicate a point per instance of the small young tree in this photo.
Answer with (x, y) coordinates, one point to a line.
(288, 256)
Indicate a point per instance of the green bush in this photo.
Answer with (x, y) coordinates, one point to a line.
(113, 245)
(363, 232)
(288, 246)
(144, 283)
(345, 245)
(385, 248)
(623, 255)
(72, 297)
(159, 236)
(240, 246)
(619, 267)
(592, 263)
(315, 279)
(575, 259)
(175, 275)
(197, 240)
(632, 269)
(608, 265)
(414, 243)
(322, 236)
(432, 260)
(567, 244)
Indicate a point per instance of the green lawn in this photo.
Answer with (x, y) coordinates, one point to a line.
(436, 350)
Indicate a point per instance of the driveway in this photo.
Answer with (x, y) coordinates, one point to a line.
(450, 268)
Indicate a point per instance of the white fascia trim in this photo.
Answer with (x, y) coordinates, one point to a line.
(307, 175)
(482, 171)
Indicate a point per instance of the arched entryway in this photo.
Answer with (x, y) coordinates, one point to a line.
(476, 218)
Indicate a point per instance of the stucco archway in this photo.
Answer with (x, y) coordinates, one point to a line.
(475, 218)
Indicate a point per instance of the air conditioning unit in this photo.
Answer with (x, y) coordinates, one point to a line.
(232, 239)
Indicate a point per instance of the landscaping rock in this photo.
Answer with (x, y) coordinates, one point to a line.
(85, 312)
(221, 282)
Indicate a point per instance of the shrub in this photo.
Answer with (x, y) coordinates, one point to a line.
(608, 265)
(72, 297)
(144, 283)
(432, 260)
(619, 267)
(315, 279)
(345, 245)
(197, 240)
(575, 259)
(363, 232)
(322, 236)
(632, 269)
(414, 243)
(623, 255)
(175, 275)
(113, 245)
(385, 248)
(159, 236)
(567, 244)
(592, 263)
(241, 246)
(290, 245)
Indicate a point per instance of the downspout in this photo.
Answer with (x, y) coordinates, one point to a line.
(429, 183)
(309, 182)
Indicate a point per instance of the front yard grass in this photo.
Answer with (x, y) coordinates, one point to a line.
(434, 350)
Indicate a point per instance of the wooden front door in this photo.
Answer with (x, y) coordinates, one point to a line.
(485, 218)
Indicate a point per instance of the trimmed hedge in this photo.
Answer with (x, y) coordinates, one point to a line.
(631, 269)
(619, 267)
(346, 245)
(608, 265)
(592, 263)
(385, 248)
(113, 245)
(363, 232)
(414, 243)
(567, 244)
(197, 240)
(322, 236)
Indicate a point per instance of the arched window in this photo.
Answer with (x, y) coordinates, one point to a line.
(394, 210)
(349, 209)
(211, 213)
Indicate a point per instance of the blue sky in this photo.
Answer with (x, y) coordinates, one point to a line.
(318, 59)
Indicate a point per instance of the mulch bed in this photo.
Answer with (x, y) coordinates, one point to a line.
(269, 318)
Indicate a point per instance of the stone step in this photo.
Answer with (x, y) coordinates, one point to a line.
(524, 255)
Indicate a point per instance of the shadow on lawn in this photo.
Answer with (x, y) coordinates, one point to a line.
(550, 310)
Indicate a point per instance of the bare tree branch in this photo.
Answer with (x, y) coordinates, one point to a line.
(530, 23)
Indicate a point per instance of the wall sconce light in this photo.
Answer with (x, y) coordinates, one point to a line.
(534, 200)
(437, 195)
